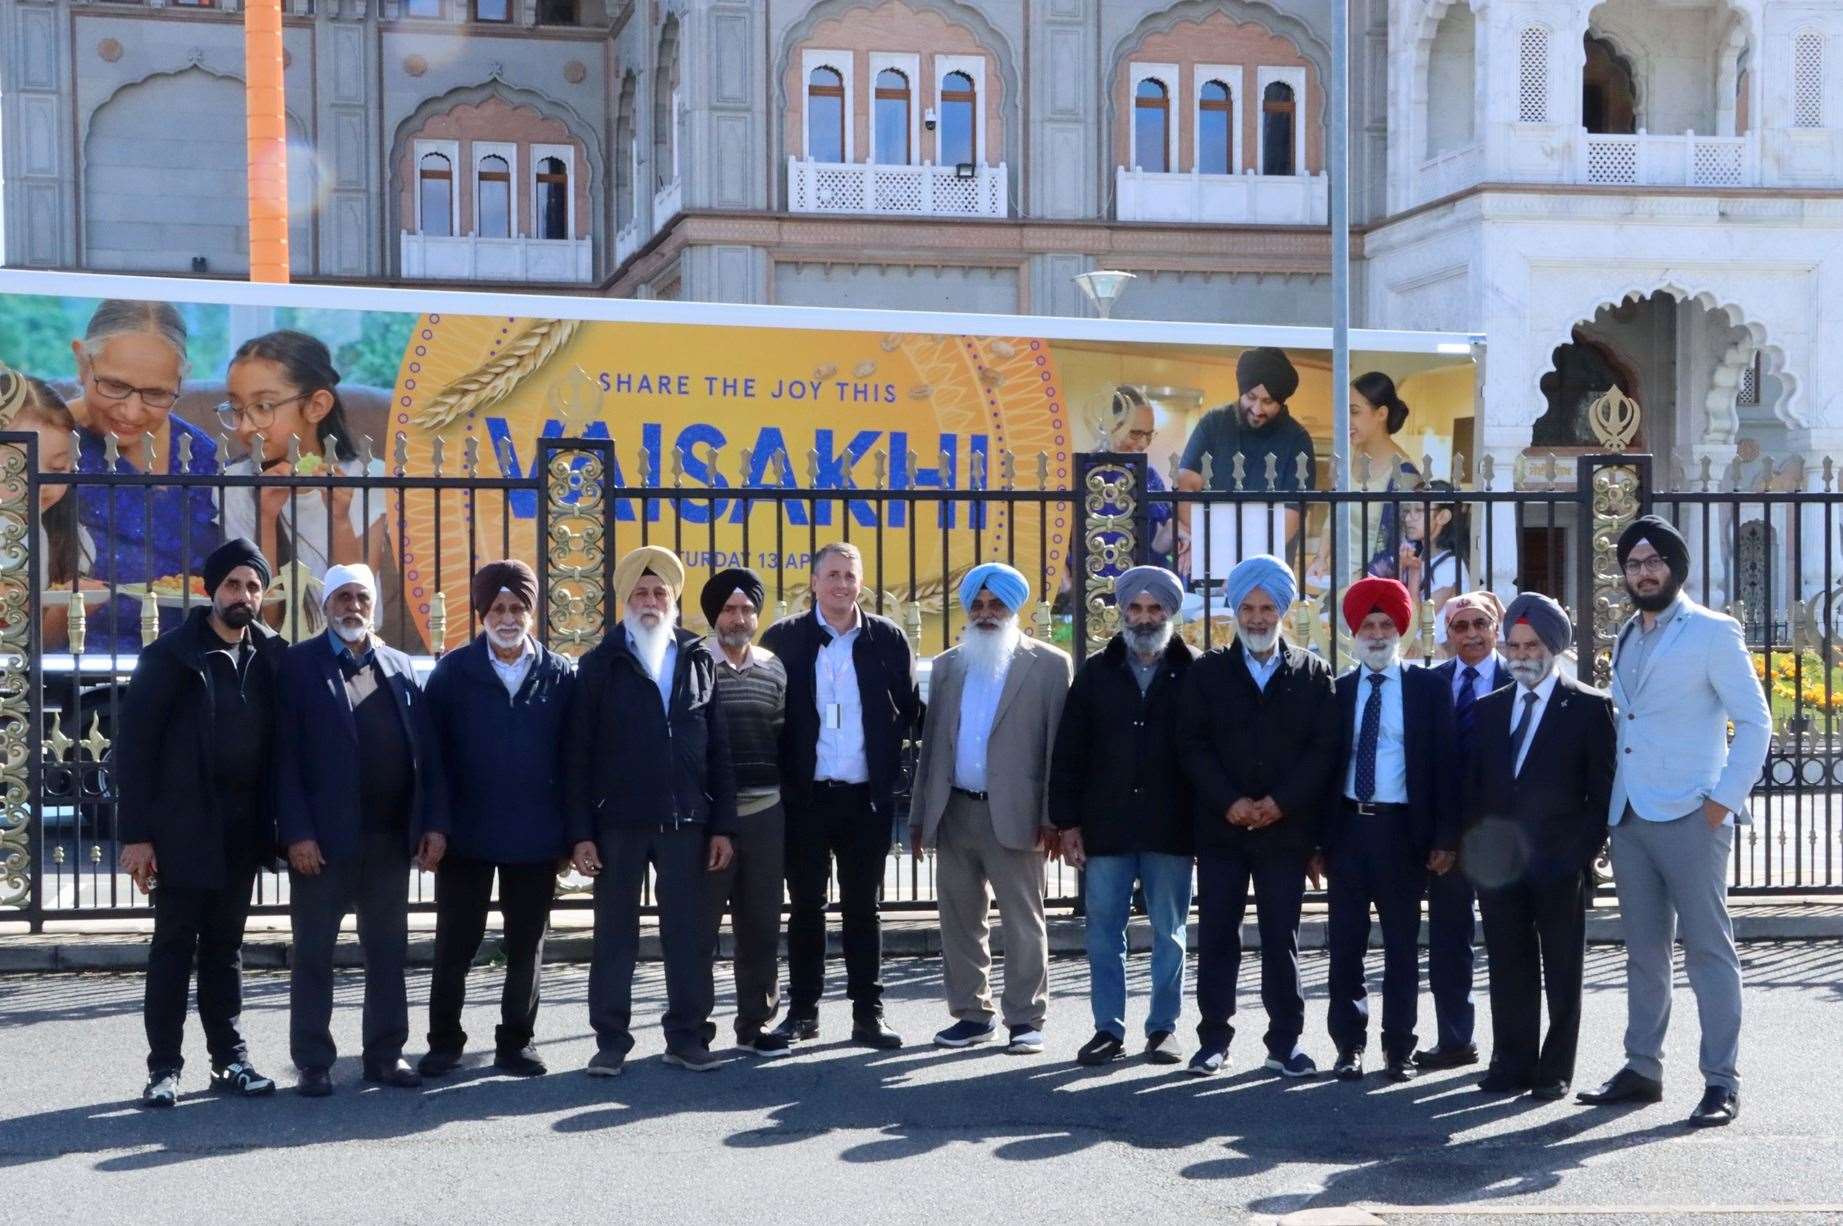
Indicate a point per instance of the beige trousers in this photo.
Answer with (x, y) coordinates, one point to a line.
(972, 869)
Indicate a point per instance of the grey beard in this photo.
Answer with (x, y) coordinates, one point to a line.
(1530, 673)
(734, 640)
(988, 650)
(1149, 640)
(1261, 644)
(1379, 656)
(650, 642)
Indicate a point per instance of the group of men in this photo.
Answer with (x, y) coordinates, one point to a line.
(735, 771)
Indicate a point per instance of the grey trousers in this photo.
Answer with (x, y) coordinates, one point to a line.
(974, 868)
(751, 889)
(677, 856)
(374, 883)
(1672, 876)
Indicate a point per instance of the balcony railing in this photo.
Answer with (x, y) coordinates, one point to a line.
(922, 191)
(626, 242)
(1274, 200)
(1650, 160)
(668, 202)
(426, 257)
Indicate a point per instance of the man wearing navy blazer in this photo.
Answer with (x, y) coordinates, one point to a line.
(360, 793)
(1476, 669)
(1389, 822)
(1681, 675)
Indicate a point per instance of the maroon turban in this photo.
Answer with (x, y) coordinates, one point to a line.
(509, 574)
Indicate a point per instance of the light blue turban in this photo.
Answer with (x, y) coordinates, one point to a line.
(1266, 572)
(1000, 580)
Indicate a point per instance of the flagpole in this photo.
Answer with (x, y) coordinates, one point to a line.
(266, 109)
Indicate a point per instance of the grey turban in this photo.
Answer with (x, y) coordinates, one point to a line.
(1543, 615)
(1155, 581)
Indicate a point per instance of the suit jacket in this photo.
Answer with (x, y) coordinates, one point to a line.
(1494, 677)
(317, 750)
(1673, 723)
(1427, 730)
(1017, 751)
(885, 670)
(1550, 820)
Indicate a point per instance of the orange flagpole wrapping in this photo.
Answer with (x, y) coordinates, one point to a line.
(265, 106)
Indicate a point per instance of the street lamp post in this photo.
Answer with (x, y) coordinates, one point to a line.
(1102, 287)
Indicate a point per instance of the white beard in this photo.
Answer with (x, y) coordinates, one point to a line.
(351, 633)
(989, 652)
(506, 640)
(1530, 673)
(1258, 644)
(650, 642)
(1147, 641)
(1379, 656)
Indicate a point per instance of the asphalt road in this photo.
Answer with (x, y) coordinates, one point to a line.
(836, 1133)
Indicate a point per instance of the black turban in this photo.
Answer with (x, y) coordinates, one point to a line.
(1269, 368)
(511, 575)
(726, 583)
(228, 557)
(1664, 538)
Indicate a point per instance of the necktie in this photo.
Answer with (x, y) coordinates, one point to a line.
(1366, 738)
(1521, 731)
(1462, 707)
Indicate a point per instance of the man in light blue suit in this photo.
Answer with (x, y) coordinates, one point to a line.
(1681, 675)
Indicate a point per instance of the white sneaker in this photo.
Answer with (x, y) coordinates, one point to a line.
(1025, 1041)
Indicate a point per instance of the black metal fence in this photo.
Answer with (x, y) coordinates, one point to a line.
(98, 560)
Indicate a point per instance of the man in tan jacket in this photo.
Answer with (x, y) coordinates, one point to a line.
(995, 698)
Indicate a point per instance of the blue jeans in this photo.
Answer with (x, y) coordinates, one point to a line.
(1109, 880)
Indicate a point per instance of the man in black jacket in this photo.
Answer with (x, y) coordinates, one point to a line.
(648, 780)
(1392, 819)
(194, 813)
(1537, 794)
(1258, 732)
(850, 705)
(1119, 798)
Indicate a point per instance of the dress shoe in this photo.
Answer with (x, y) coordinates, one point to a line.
(1626, 1086)
(397, 1074)
(1400, 1068)
(1719, 1106)
(524, 1062)
(1349, 1066)
(871, 1032)
(798, 1029)
(1446, 1057)
(1549, 1091)
(436, 1063)
(1502, 1081)
(314, 1083)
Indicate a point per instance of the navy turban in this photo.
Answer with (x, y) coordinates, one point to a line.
(228, 557)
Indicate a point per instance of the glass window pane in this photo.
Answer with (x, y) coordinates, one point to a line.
(1151, 124)
(1277, 129)
(435, 207)
(1213, 141)
(958, 117)
(891, 142)
(492, 10)
(825, 129)
(423, 8)
(495, 209)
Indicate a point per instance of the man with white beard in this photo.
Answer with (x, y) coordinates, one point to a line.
(648, 781)
(1396, 822)
(361, 787)
(1258, 732)
(993, 705)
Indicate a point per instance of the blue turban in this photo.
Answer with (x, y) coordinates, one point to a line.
(1266, 572)
(1000, 580)
(1155, 581)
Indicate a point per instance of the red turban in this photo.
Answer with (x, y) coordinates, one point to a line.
(1375, 595)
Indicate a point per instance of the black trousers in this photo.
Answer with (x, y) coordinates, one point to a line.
(1376, 861)
(206, 927)
(1222, 902)
(1536, 940)
(840, 825)
(1450, 929)
(678, 857)
(375, 884)
(751, 890)
(463, 896)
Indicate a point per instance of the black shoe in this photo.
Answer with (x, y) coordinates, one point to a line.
(798, 1029)
(1719, 1107)
(437, 1063)
(768, 1044)
(1400, 1068)
(1101, 1049)
(1349, 1066)
(1502, 1081)
(1549, 1091)
(398, 1074)
(1626, 1086)
(162, 1090)
(1446, 1057)
(314, 1083)
(240, 1078)
(525, 1062)
(871, 1032)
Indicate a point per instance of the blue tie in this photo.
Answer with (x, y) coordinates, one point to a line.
(1521, 731)
(1366, 738)
(1462, 708)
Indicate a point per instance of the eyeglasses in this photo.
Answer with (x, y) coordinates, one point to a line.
(115, 389)
(1468, 627)
(1654, 565)
(261, 414)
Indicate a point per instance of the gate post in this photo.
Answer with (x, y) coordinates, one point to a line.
(1614, 490)
(575, 572)
(20, 832)
(1112, 537)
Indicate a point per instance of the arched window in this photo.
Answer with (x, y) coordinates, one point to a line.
(1808, 80)
(1533, 75)
(825, 115)
(666, 104)
(1215, 129)
(1152, 126)
(626, 153)
(551, 208)
(492, 10)
(891, 138)
(494, 174)
(1278, 121)
(435, 195)
(959, 120)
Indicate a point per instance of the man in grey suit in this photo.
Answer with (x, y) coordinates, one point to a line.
(995, 699)
(1681, 675)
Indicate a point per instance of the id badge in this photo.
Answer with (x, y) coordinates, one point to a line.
(834, 716)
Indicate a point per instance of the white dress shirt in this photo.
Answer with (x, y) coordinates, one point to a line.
(1487, 673)
(840, 751)
(513, 675)
(979, 694)
(1262, 671)
(1543, 690)
(1391, 747)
